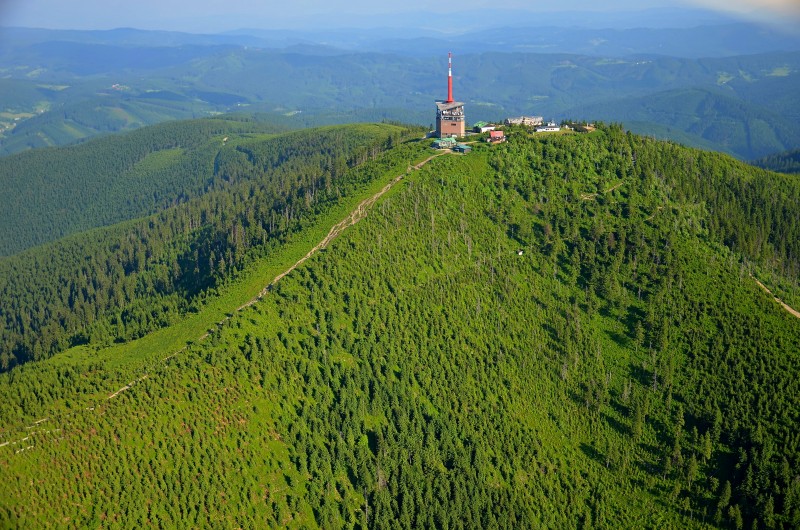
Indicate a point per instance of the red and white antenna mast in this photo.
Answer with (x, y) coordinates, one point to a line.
(449, 78)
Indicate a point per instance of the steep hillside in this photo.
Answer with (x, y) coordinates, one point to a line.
(222, 200)
(550, 332)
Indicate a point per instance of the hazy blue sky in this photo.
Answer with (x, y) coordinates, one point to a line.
(219, 15)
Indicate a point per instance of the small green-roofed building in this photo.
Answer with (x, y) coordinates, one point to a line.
(462, 148)
(478, 125)
(444, 143)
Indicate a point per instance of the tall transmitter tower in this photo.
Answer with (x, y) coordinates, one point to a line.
(450, 114)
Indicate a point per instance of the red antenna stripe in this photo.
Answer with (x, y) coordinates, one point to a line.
(449, 78)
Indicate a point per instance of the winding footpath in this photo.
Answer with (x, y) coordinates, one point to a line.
(591, 196)
(126, 387)
(359, 213)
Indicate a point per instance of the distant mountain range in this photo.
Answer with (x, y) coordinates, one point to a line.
(664, 32)
(61, 86)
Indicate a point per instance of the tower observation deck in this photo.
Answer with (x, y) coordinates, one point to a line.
(450, 119)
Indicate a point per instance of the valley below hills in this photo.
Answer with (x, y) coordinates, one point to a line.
(340, 327)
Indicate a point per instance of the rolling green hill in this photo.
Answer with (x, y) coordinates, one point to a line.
(95, 116)
(50, 193)
(557, 331)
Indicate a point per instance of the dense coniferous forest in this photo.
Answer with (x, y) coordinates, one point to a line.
(557, 331)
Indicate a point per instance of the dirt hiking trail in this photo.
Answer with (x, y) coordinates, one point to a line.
(786, 306)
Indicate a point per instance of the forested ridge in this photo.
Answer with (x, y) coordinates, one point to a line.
(558, 331)
(119, 283)
(786, 162)
(50, 193)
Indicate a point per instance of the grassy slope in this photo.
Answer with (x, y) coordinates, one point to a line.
(272, 315)
(421, 344)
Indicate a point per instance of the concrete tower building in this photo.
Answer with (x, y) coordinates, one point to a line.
(450, 119)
